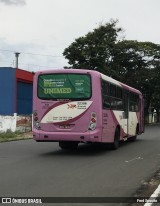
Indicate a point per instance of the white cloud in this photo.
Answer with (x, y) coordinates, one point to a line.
(49, 26)
(13, 2)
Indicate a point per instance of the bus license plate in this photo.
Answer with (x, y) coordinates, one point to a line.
(64, 126)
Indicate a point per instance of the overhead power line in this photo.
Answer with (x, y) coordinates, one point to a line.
(26, 66)
(41, 54)
(49, 55)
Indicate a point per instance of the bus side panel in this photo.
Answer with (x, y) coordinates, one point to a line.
(108, 126)
(96, 135)
(133, 121)
(111, 120)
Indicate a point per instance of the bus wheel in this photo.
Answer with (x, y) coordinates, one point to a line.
(115, 144)
(68, 145)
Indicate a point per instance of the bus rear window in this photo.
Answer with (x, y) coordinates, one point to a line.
(64, 86)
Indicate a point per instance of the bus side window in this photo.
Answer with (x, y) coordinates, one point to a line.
(119, 104)
(119, 98)
(112, 90)
(119, 92)
(133, 102)
(106, 102)
(105, 95)
(112, 96)
(137, 103)
(113, 103)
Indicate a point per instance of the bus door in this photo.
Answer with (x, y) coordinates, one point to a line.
(126, 112)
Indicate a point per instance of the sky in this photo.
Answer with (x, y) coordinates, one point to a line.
(40, 30)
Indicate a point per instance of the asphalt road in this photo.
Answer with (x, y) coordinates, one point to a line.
(28, 168)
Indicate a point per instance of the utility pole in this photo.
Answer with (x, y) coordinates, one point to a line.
(16, 55)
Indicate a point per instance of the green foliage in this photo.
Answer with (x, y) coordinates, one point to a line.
(93, 51)
(155, 98)
(134, 63)
(9, 136)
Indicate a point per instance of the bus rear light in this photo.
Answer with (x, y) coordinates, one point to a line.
(93, 114)
(93, 121)
(36, 123)
(35, 114)
(35, 119)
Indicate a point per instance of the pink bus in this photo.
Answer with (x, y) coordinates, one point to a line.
(72, 106)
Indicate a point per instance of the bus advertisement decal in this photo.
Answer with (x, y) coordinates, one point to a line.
(66, 112)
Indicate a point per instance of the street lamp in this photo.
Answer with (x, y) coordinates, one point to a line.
(16, 55)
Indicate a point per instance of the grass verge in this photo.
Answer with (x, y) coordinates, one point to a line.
(12, 136)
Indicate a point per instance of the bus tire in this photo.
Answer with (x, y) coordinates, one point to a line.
(68, 145)
(115, 144)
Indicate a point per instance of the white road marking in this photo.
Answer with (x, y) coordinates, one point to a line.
(152, 198)
(137, 158)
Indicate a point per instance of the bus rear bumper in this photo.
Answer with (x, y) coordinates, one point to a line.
(89, 136)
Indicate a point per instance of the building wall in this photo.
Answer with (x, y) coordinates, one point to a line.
(7, 90)
(15, 91)
(24, 97)
(22, 75)
(24, 85)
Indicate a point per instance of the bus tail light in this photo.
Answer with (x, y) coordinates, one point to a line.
(35, 120)
(93, 121)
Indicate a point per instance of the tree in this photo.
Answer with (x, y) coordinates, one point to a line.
(135, 63)
(155, 100)
(94, 50)
(131, 62)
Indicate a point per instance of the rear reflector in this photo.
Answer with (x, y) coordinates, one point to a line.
(93, 121)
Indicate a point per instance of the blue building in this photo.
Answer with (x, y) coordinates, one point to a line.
(16, 88)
